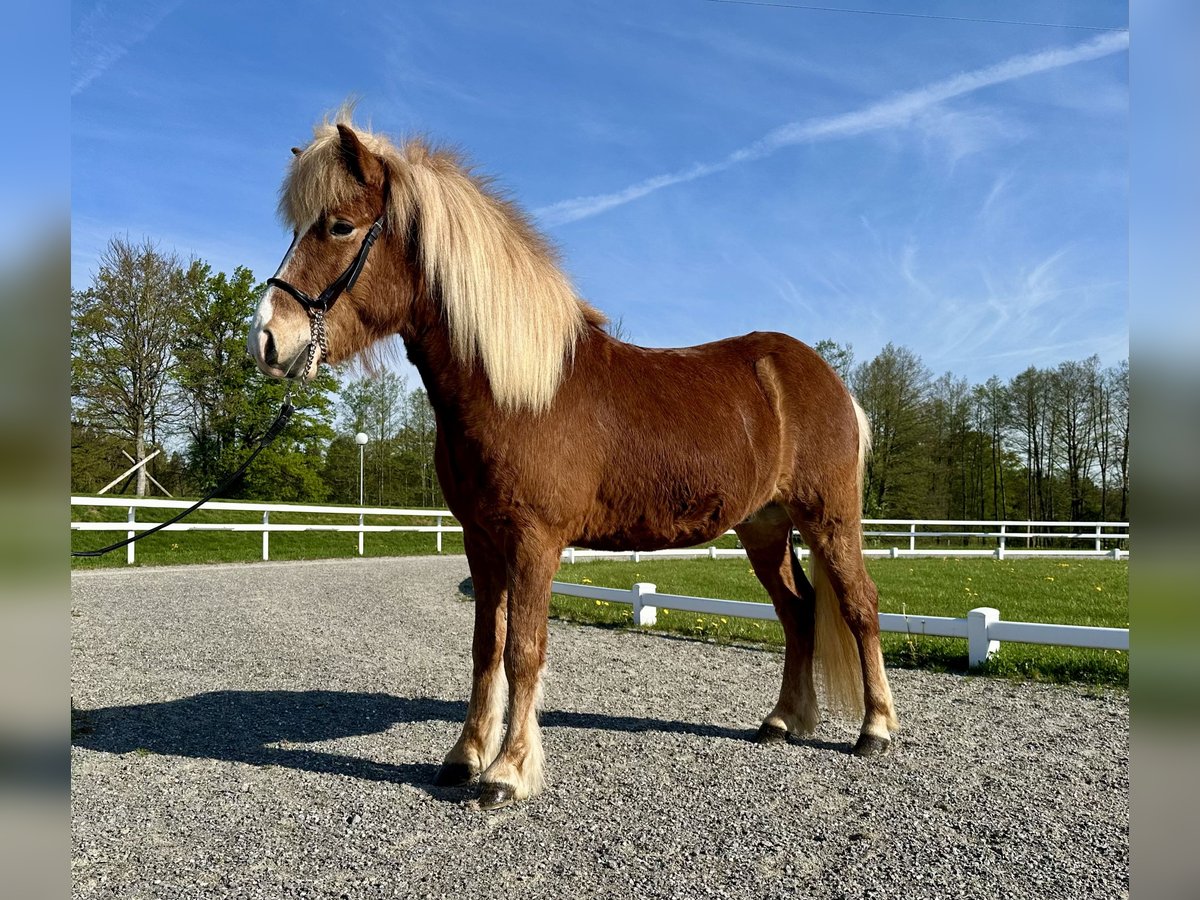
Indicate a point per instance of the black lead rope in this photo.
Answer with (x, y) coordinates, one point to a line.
(281, 420)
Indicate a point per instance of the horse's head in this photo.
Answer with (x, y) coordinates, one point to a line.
(453, 263)
(336, 281)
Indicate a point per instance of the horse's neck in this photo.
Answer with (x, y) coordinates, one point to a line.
(457, 392)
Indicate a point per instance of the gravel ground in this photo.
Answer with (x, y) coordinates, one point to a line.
(272, 730)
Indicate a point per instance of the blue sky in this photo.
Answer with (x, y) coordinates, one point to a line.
(706, 168)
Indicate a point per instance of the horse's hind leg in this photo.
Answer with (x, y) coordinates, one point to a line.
(849, 644)
(479, 742)
(767, 538)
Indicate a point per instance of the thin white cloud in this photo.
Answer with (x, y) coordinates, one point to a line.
(893, 112)
(105, 35)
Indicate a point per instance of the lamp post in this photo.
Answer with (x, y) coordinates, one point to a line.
(360, 439)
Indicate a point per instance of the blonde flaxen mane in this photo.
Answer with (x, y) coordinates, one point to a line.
(506, 301)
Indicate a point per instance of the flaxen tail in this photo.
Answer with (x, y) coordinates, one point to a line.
(836, 649)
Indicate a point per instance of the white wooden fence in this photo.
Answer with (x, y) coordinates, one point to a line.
(983, 628)
(131, 526)
(1093, 539)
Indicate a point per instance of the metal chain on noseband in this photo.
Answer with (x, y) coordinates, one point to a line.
(317, 338)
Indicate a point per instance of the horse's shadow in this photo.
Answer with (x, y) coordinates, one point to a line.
(257, 727)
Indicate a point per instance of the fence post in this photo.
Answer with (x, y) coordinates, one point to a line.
(912, 537)
(643, 614)
(571, 555)
(712, 552)
(129, 548)
(637, 557)
(895, 553)
(439, 534)
(979, 648)
(1000, 549)
(1098, 547)
(361, 519)
(266, 535)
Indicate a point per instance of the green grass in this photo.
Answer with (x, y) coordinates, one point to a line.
(180, 547)
(1070, 592)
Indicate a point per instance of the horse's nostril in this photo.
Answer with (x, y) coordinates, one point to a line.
(270, 356)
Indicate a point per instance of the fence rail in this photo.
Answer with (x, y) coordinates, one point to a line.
(131, 526)
(982, 628)
(1104, 539)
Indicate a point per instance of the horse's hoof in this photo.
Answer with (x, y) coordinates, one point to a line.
(870, 745)
(770, 734)
(495, 795)
(454, 775)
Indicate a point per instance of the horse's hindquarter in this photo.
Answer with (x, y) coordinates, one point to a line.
(688, 441)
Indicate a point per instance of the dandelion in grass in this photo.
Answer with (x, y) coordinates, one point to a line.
(585, 581)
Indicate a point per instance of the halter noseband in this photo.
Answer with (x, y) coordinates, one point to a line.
(316, 308)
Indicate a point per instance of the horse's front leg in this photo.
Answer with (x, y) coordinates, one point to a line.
(517, 772)
(479, 742)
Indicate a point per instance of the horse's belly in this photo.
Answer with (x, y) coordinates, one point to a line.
(695, 521)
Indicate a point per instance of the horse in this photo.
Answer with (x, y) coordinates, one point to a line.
(552, 433)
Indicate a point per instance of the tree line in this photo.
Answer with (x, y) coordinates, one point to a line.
(1049, 444)
(158, 362)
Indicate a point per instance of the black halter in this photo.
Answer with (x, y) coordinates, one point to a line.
(316, 308)
(341, 284)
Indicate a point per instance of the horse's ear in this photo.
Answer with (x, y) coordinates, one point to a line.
(362, 163)
(296, 151)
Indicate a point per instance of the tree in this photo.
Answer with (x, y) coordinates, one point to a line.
(375, 405)
(229, 404)
(215, 373)
(290, 469)
(992, 402)
(123, 334)
(1119, 390)
(1111, 402)
(1029, 415)
(616, 328)
(947, 420)
(892, 389)
(421, 435)
(840, 356)
(1074, 390)
(95, 458)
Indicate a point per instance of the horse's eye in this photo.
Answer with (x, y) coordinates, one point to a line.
(341, 228)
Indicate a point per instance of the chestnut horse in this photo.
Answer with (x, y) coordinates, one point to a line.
(551, 433)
